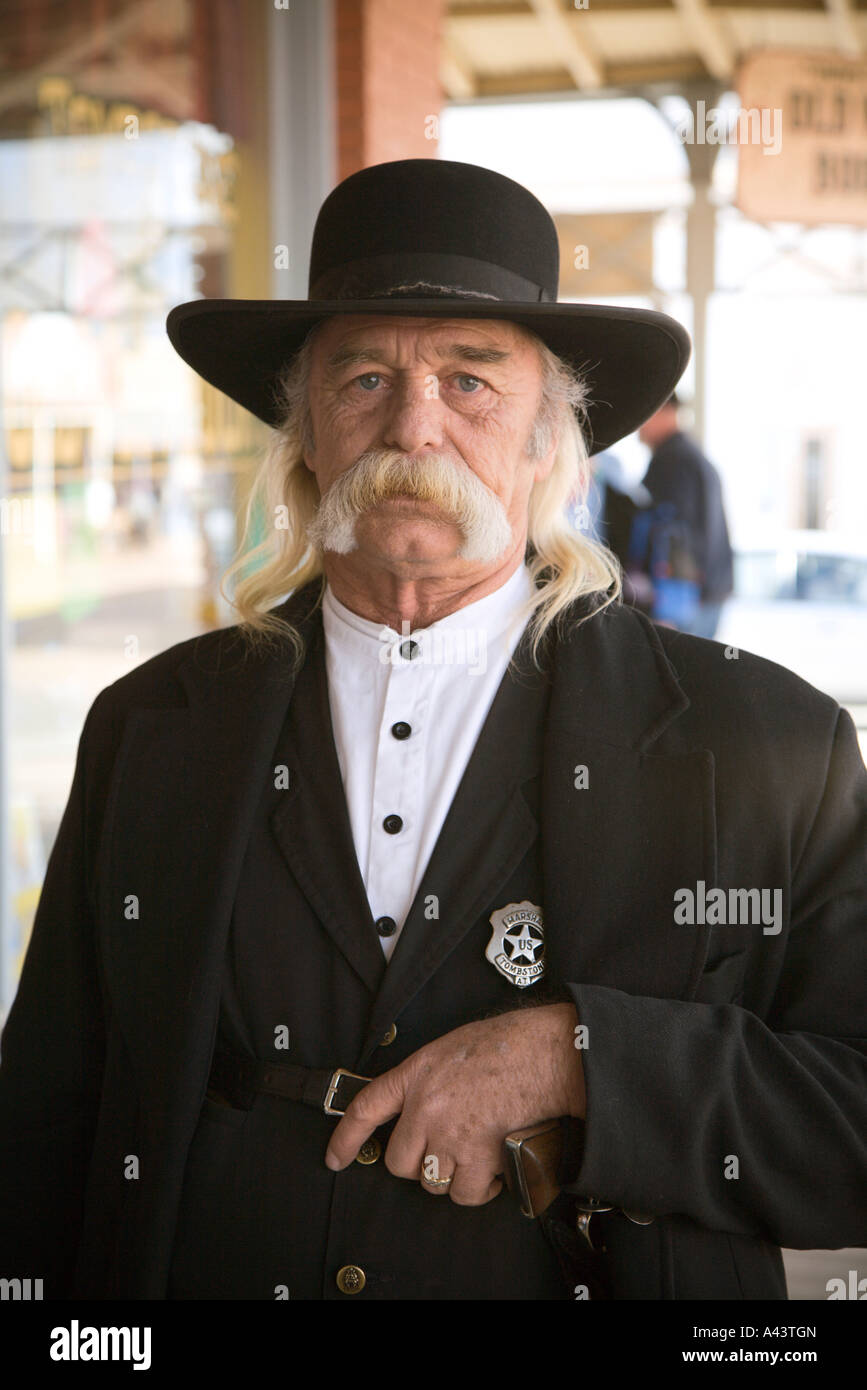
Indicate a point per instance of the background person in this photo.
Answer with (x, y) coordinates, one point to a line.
(686, 486)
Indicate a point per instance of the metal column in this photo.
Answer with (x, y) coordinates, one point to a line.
(302, 145)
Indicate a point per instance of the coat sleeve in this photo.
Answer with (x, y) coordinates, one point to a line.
(676, 1091)
(51, 1062)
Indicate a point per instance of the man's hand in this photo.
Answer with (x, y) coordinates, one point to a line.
(460, 1096)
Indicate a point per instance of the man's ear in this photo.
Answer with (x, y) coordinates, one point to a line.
(308, 451)
(543, 465)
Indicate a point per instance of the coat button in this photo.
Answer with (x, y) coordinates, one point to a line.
(390, 1036)
(369, 1151)
(386, 926)
(392, 824)
(351, 1279)
(409, 649)
(401, 729)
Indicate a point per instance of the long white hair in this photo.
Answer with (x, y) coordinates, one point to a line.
(565, 564)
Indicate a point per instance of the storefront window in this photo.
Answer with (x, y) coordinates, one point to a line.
(121, 468)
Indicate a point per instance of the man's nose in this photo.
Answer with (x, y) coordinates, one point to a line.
(415, 415)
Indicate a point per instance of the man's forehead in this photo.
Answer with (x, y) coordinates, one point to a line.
(435, 335)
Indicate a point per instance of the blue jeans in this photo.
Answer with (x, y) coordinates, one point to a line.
(705, 620)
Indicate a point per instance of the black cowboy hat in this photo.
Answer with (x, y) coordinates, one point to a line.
(435, 239)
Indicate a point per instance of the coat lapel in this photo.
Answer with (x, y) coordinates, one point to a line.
(313, 827)
(184, 791)
(616, 849)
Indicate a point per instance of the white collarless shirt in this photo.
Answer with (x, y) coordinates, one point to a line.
(406, 711)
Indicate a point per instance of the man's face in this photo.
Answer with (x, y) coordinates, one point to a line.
(659, 426)
(465, 389)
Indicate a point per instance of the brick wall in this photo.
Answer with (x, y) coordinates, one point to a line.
(387, 57)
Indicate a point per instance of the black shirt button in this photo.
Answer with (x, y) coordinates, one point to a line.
(392, 824)
(386, 926)
(401, 729)
(409, 649)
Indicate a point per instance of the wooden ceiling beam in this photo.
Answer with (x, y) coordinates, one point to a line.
(704, 31)
(457, 76)
(585, 70)
(75, 53)
(621, 79)
(845, 33)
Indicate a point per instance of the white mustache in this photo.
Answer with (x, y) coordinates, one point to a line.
(381, 474)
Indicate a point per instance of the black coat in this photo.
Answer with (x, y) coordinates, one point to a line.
(705, 1042)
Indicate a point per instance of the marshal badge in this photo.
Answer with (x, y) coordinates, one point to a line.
(517, 944)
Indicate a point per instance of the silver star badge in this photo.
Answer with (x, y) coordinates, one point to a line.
(517, 944)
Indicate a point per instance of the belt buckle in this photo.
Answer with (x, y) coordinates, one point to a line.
(333, 1085)
(588, 1207)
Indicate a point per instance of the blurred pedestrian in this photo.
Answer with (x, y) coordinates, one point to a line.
(682, 480)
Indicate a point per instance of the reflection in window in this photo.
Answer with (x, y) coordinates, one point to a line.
(832, 579)
(780, 575)
(770, 574)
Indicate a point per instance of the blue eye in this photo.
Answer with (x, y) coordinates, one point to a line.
(464, 377)
(368, 377)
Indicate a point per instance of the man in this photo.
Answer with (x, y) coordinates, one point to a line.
(432, 822)
(681, 478)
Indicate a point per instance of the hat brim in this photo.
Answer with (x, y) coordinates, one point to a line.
(632, 358)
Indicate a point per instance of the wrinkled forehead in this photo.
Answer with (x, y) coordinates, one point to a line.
(424, 337)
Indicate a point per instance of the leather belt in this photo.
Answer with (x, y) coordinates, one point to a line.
(240, 1079)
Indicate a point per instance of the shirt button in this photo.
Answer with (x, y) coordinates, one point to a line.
(369, 1151)
(409, 649)
(389, 1037)
(351, 1279)
(401, 729)
(392, 824)
(386, 926)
